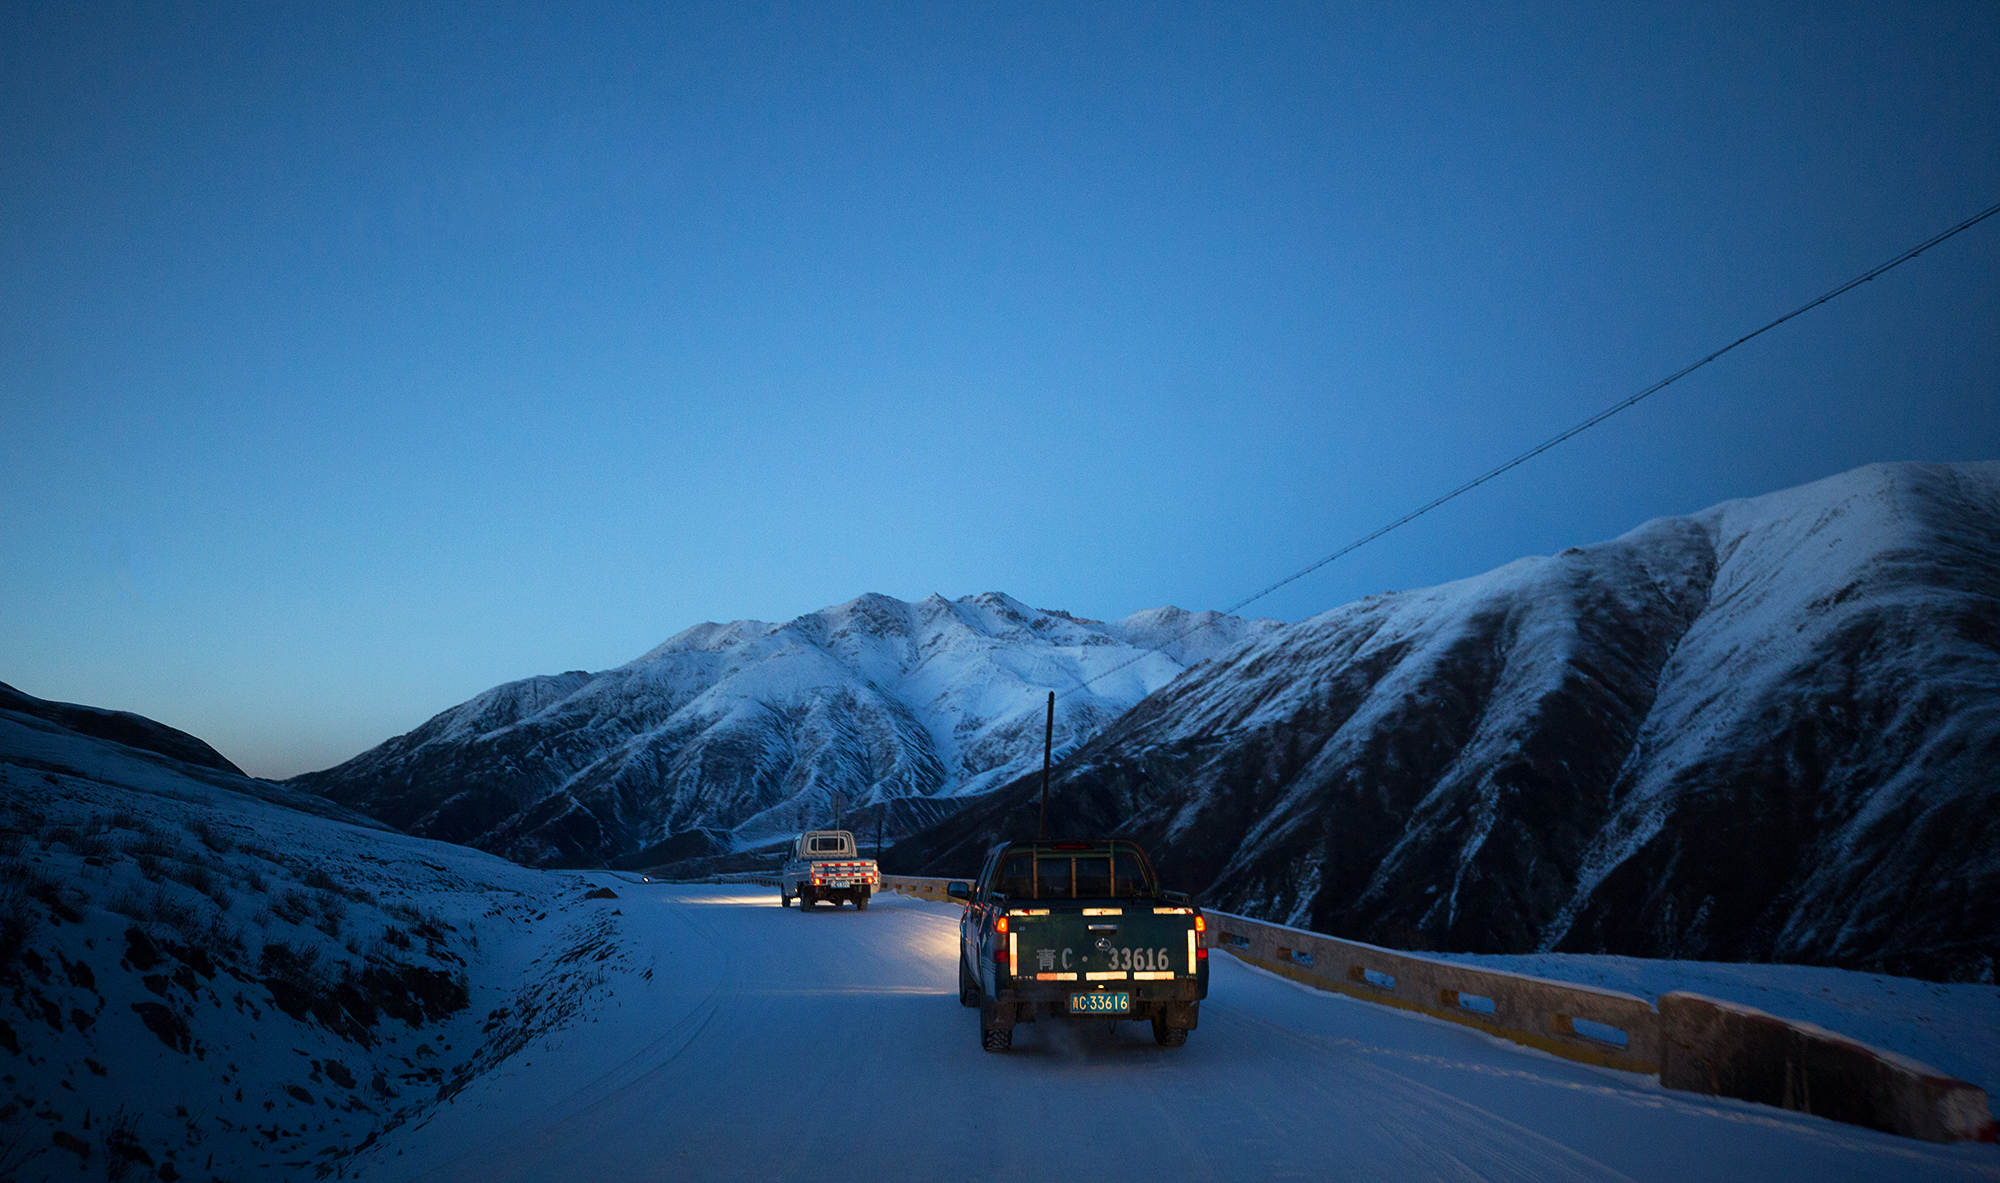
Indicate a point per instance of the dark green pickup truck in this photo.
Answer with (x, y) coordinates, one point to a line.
(1078, 930)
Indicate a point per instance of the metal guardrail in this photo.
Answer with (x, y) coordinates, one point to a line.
(766, 878)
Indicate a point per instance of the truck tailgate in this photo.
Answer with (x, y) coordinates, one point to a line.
(1108, 944)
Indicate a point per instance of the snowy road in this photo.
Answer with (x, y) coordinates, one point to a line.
(773, 1046)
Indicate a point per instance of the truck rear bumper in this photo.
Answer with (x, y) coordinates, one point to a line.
(1175, 1002)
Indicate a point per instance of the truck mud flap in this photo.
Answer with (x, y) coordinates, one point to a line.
(1001, 1016)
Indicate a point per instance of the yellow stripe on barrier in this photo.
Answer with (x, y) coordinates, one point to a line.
(1464, 1019)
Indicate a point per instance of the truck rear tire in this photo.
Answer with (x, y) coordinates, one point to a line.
(806, 902)
(998, 1039)
(861, 901)
(1167, 1036)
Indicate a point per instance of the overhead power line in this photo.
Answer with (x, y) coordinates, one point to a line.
(1558, 438)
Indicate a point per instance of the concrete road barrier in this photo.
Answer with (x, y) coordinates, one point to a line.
(1694, 1044)
(919, 886)
(1729, 1050)
(1583, 1023)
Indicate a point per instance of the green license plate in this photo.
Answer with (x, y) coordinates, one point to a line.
(1101, 1003)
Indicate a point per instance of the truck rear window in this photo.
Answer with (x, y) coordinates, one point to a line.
(1095, 876)
(828, 845)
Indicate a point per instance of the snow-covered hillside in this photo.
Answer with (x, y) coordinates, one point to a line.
(204, 976)
(1769, 731)
(747, 731)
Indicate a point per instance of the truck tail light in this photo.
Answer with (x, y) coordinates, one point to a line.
(1201, 924)
(1000, 926)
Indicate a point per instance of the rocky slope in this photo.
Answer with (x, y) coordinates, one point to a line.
(205, 976)
(732, 734)
(1768, 731)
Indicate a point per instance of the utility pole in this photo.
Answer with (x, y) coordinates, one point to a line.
(878, 827)
(1048, 746)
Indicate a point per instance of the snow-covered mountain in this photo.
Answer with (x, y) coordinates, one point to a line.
(734, 734)
(1767, 731)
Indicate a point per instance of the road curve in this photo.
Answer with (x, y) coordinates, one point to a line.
(775, 1046)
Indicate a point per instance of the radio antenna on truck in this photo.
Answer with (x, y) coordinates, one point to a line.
(1048, 746)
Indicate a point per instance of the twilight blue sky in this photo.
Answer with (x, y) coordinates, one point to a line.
(351, 363)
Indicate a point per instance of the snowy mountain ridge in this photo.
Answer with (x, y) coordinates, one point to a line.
(753, 728)
(1766, 731)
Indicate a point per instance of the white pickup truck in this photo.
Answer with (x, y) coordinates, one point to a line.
(825, 865)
